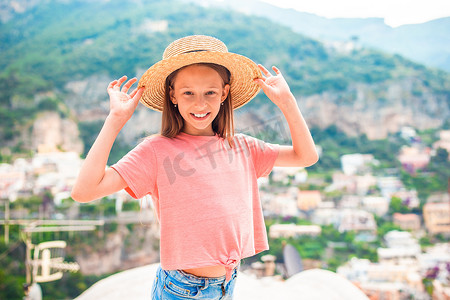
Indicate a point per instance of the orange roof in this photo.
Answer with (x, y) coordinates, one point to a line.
(405, 217)
(310, 194)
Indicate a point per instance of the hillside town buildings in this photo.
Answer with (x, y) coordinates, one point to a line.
(377, 205)
(414, 158)
(308, 200)
(437, 217)
(350, 202)
(356, 163)
(292, 230)
(407, 221)
(443, 142)
(403, 278)
(53, 171)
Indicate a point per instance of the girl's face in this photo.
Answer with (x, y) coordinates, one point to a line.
(198, 92)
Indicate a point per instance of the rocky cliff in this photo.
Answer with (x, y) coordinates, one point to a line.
(51, 132)
(371, 109)
(127, 247)
(377, 109)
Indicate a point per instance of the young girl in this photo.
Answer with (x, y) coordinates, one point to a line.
(201, 176)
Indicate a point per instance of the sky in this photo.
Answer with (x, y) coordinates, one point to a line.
(394, 12)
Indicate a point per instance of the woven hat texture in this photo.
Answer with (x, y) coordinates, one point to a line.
(200, 49)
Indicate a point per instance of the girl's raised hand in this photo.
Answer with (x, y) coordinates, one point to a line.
(122, 104)
(275, 87)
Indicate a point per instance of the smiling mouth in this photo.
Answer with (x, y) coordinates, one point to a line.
(200, 116)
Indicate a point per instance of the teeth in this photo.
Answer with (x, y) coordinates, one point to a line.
(200, 115)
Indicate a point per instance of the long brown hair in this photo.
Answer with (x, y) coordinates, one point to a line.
(172, 121)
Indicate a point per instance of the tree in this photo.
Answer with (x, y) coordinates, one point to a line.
(396, 206)
(441, 156)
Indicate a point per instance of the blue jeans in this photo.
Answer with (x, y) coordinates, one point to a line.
(177, 284)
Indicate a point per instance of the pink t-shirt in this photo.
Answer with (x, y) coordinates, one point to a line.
(205, 195)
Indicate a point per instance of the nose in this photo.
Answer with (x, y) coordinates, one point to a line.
(200, 101)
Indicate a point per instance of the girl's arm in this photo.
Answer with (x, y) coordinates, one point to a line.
(93, 181)
(303, 152)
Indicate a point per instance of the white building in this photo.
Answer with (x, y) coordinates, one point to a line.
(436, 256)
(10, 180)
(409, 197)
(350, 201)
(16, 180)
(356, 220)
(295, 175)
(364, 183)
(363, 270)
(293, 230)
(57, 171)
(402, 248)
(284, 205)
(344, 220)
(383, 279)
(407, 133)
(325, 216)
(400, 239)
(376, 205)
(355, 163)
(389, 186)
(353, 184)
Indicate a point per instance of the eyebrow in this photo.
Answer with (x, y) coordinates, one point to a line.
(189, 87)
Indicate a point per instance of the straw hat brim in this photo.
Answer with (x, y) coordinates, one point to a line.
(243, 72)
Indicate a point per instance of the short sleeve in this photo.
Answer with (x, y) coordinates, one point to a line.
(263, 154)
(138, 169)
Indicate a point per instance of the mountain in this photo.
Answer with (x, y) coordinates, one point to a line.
(60, 56)
(426, 43)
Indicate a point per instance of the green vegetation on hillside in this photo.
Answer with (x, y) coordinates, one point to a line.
(56, 42)
(336, 143)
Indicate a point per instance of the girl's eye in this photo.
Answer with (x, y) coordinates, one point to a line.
(188, 93)
(210, 93)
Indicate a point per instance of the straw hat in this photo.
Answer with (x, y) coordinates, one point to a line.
(200, 49)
